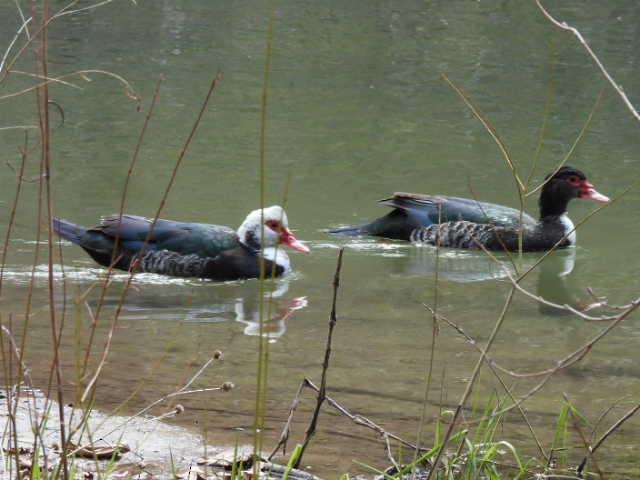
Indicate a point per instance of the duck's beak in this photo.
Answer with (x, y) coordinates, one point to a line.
(587, 191)
(287, 238)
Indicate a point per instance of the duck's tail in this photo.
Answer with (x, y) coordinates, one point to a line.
(68, 230)
(386, 226)
(397, 224)
(352, 231)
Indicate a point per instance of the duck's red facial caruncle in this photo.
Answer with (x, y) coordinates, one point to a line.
(586, 190)
(286, 236)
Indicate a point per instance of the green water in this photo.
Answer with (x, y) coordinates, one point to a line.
(357, 110)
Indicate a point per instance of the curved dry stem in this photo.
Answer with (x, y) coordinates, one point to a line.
(576, 355)
(594, 57)
(565, 307)
(472, 379)
(66, 11)
(566, 158)
(133, 267)
(123, 197)
(551, 87)
(520, 187)
(129, 90)
(493, 366)
(492, 131)
(613, 428)
(25, 22)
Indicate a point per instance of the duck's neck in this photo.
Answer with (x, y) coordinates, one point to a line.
(553, 202)
(569, 228)
(554, 227)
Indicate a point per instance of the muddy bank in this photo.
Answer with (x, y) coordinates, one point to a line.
(113, 447)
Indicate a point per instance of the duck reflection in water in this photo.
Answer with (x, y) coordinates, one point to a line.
(554, 279)
(274, 326)
(556, 283)
(213, 303)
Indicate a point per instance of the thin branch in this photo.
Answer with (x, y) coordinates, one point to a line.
(181, 391)
(612, 429)
(471, 381)
(492, 131)
(24, 370)
(581, 134)
(64, 11)
(360, 420)
(576, 354)
(129, 90)
(325, 364)
(286, 431)
(493, 366)
(576, 32)
(163, 200)
(123, 197)
(12, 43)
(565, 307)
(583, 437)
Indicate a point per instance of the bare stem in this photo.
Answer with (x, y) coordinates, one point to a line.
(594, 57)
(320, 398)
(611, 429)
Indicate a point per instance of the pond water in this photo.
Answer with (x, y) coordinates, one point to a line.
(357, 109)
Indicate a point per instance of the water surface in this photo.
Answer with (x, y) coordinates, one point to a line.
(357, 110)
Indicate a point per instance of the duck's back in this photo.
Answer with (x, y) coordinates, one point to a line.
(430, 209)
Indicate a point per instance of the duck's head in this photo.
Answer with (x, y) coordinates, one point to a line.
(566, 184)
(276, 230)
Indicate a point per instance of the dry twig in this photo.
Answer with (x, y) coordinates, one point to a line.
(325, 364)
(613, 428)
(576, 32)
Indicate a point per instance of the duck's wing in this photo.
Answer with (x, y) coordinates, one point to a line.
(205, 240)
(234, 264)
(430, 209)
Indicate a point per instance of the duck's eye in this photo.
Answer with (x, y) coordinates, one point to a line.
(574, 180)
(272, 224)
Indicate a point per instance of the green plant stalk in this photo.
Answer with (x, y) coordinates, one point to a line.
(36, 473)
(263, 344)
(561, 434)
(7, 364)
(293, 460)
(436, 449)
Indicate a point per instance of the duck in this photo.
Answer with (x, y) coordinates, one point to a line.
(469, 224)
(182, 249)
